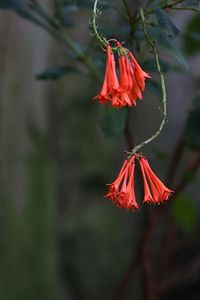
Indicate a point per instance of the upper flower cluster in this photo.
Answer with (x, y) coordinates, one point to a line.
(122, 191)
(131, 83)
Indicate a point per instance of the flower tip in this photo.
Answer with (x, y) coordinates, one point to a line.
(147, 75)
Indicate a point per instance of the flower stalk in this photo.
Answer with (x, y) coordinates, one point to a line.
(163, 89)
(102, 41)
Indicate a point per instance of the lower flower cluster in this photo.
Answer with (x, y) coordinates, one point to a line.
(122, 190)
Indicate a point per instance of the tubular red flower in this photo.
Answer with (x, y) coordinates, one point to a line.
(121, 191)
(140, 75)
(154, 190)
(123, 92)
(103, 96)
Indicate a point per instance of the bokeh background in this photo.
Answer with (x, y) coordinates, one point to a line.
(59, 238)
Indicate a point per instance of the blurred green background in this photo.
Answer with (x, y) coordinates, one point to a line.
(59, 238)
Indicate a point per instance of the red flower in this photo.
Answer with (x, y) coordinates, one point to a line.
(110, 87)
(154, 190)
(121, 191)
(140, 75)
(129, 88)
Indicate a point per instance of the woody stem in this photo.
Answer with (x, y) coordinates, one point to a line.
(163, 88)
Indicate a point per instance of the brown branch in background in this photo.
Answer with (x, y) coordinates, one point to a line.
(141, 258)
(125, 283)
(169, 240)
(181, 275)
(131, 17)
(190, 171)
(167, 247)
(149, 292)
(175, 160)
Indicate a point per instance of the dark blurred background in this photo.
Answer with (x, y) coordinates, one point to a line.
(59, 238)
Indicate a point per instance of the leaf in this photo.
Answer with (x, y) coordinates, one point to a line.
(185, 212)
(191, 3)
(192, 130)
(165, 23)
(113, 121)
(54, 73)
(154, 88)
(169, 46)
(191, 37)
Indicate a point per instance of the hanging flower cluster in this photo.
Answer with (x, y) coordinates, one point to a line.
(122, 87)
(131, 83)
(122, 192)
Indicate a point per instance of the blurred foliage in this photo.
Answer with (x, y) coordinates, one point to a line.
(27, 258)
(92, 239)
(113, 121)
(54, 73)
(191, 39)
(165, 23)
(192, 126)
(185, 212)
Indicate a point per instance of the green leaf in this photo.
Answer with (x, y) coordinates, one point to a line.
(185, 212)
(165, 23)
(113, 121)
(191, 3)
(54, 73)
(169, 46)
(192, 130)
(191, 37)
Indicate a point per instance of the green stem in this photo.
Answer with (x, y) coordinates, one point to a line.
(163, 88)
(101, 40)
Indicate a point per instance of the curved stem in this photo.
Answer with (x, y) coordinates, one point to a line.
(163, 88)
(101, 40)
